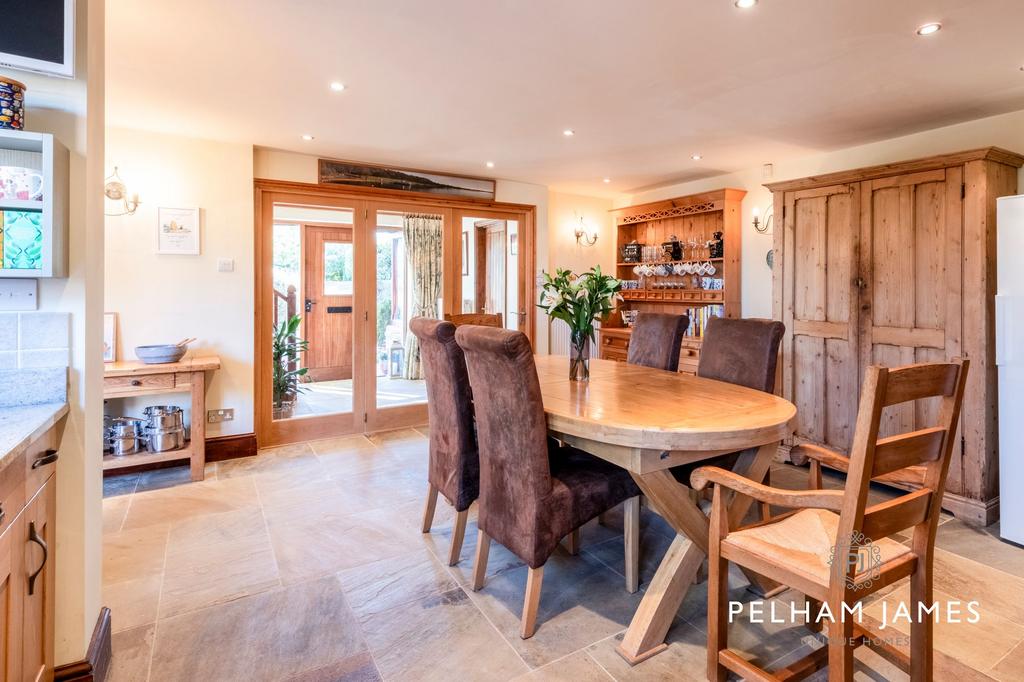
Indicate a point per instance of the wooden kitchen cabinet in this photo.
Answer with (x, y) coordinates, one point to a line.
(894, 265)
(27, 568)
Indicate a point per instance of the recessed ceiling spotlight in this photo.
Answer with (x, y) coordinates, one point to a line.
(337, 86)
(745, 4)
(606, 180)
(696, 157)
(568, 132)
(928, 29)
(307, 137)
(489, 164)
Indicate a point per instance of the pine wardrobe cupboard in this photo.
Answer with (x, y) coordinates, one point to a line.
(892, 265)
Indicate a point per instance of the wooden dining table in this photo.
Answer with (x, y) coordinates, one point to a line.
(647, 421)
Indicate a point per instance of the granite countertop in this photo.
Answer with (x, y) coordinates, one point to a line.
(22, 424)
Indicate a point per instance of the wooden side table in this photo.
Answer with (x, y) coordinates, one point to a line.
(130, 379)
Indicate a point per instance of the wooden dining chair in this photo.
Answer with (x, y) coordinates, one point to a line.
(479, 319)
(655, 340)
(797, 548)
(454, 467)
(533, 493)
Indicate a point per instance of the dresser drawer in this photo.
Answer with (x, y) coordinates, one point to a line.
(614, 343)
(140, 383)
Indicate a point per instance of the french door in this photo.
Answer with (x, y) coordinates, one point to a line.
(340, 261)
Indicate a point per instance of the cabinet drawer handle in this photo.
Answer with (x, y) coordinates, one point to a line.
(34, 536)
(49, 457)
(136, 382)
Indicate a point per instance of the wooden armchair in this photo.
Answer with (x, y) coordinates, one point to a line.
(796, 548)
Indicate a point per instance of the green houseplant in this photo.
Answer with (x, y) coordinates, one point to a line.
(286, 349)
(579, 300)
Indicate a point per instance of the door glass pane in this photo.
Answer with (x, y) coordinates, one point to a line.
(337, 269)
(490, 268)
(313, 344)
(399, 377)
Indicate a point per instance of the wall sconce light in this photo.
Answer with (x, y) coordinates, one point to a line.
(763, 227)
(115, 190)
(582, 236)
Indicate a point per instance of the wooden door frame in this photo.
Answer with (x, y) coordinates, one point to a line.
(526, 234)
(268, 192)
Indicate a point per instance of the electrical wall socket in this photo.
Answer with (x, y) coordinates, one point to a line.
(218, 416)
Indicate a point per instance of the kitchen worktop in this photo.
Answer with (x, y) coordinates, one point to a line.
(22, 424)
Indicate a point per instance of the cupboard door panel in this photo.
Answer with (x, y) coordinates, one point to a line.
(38, 532)
(820, 312)
(911, 260)
(10, 602)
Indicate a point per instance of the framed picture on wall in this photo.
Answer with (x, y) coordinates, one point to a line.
(465, 254)
(177, 231)
(109, 337)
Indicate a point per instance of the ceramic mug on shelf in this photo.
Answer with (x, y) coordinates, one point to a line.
(20, 183)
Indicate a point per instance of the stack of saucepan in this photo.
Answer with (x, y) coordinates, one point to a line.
(163, 429)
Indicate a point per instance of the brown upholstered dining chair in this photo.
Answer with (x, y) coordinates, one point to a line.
(798, 548)
(532, 492)
(743, 352)
(655, 340)
(479, 319)
(454, 468)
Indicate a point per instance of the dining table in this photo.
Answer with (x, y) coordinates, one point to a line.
(647, 421)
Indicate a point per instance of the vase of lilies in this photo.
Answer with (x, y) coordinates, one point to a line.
(579, 301)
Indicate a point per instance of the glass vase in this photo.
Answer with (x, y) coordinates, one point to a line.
(579, 356)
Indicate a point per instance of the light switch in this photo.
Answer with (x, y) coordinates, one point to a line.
(225, 265)
(19, 294)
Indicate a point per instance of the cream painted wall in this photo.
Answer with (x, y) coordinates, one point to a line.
(1005, 131)
(72, 110)
(280, 165)
(161, 299)
(564, 211)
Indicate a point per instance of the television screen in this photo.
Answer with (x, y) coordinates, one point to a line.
(38, 35)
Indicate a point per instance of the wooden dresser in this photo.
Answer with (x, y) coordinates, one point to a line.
(691, 219)
(27, 544)
(892, 265)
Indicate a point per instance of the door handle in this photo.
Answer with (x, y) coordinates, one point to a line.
(309, 305)
(33, 535)
(48, 457)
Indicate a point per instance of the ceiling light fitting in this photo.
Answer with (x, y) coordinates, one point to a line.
(307, 138)
(489, 164)
(568, 132)
(929, 29)
(745, 4)
(696, 157)
(337, 86)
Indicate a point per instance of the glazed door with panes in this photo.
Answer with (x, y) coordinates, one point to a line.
(330, 268)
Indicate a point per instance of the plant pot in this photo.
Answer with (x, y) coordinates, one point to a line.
(284, 409)
(579, 356)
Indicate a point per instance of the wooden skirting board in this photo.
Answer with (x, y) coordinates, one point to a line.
(96, 664)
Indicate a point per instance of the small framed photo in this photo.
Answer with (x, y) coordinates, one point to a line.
(465, 253)
(513, 244)
(177, 231)
(109, 337)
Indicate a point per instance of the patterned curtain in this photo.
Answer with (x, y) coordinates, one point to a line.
(423, 235)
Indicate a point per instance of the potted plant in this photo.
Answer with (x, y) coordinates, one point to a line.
(287, 347)
(579, 301)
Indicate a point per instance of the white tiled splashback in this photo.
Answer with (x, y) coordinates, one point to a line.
(34, 340)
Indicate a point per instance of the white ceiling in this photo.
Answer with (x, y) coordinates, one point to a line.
(450, 84)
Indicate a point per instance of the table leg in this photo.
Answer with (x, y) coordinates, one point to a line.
(671, 499)
(646, 634)
(198, 430)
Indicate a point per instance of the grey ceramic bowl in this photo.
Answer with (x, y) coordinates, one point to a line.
(155, 355)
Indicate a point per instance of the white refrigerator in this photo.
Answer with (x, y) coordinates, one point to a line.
(1010, 364)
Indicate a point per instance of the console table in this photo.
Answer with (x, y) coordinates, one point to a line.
(131, 379)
